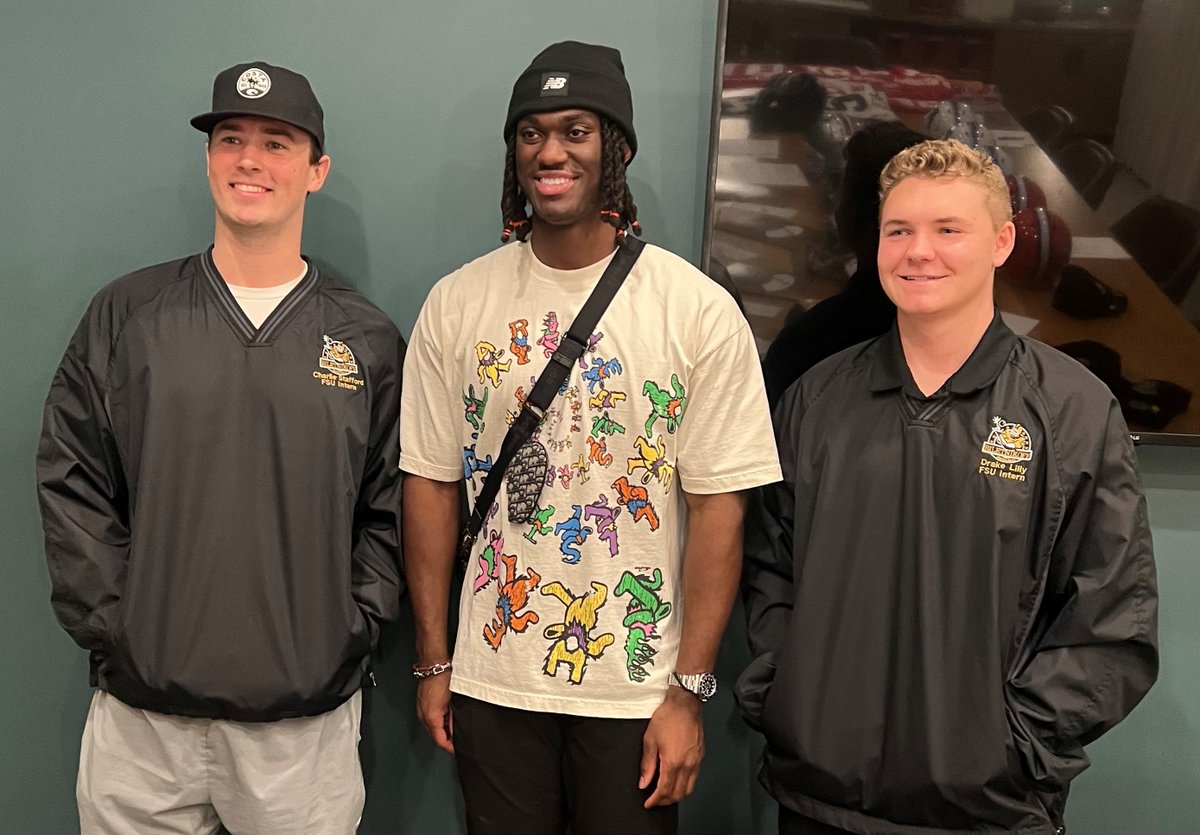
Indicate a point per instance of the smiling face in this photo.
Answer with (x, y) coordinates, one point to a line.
(260, 171)
(557, 158)
(939, 247)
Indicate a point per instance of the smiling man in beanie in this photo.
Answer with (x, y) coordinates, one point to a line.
(594, 601)
(218, 486)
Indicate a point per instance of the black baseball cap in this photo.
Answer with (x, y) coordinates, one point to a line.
(573, 74)
(261, 89)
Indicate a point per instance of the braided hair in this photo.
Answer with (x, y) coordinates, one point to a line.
(617, 208)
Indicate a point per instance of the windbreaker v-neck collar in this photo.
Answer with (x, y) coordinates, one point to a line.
(981, 368)
(237, 318)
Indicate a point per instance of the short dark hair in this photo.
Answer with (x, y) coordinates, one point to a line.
(867, 153)
(616, 203)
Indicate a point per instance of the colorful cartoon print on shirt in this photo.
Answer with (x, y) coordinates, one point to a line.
(550, 334)
(642, 616)
(604, 425)
(512, 598)
(576, 414)
(519, 344)
(636, 501)
(474, 407)
(606, 399)
(564, 475)
(589, 348)
(473, 464)
(489, 567)
(519, 395)
(580, 469)
(539, 523)
(665, 405)
(598, 451)
(572, 533)
(489, 564)
(601, 371)
(490, 369)
(654, 460)
(571, 641)
(606, 522)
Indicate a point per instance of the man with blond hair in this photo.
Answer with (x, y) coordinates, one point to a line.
(938, 663)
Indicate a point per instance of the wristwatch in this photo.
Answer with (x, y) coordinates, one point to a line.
(701, 685)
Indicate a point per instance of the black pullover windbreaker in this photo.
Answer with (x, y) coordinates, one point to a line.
(950, 595)
(221, 503)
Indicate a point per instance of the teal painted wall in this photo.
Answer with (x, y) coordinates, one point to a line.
(101, 174)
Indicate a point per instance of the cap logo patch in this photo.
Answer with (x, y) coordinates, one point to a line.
(253, 83)
(555, 83)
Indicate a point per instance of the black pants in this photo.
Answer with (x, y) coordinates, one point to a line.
(535, 773)
(791, 823)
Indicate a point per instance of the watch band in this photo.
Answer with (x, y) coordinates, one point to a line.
(701, 685)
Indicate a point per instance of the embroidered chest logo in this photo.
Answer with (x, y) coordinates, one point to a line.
(1008, 447)
(340, 367)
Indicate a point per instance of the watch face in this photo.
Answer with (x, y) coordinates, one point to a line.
(708, 686)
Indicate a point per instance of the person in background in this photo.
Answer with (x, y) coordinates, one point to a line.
(862, 311)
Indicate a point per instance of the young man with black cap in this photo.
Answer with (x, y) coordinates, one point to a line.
(574, 624)
(953, 591)
(218, 486)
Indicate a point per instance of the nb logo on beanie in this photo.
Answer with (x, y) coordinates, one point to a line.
(554, 84)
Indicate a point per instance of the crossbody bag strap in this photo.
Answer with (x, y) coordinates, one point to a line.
(570, 349)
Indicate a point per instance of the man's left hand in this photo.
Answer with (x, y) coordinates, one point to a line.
(673, 745)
